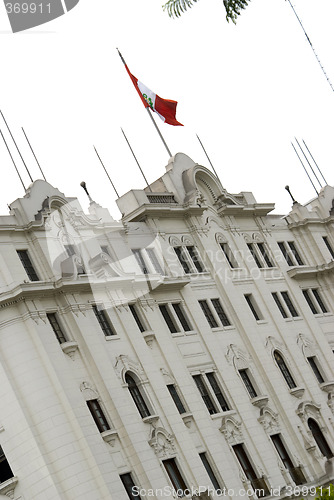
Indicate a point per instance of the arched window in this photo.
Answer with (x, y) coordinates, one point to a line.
(284, 369)
(137, 396)
(319, 438)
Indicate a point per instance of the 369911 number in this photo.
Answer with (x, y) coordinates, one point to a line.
(28, 8)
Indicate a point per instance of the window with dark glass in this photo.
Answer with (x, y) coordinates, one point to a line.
(27, 264)
(176, 398)
(140, 261)
(104, 322)
(296, 472)
(5, 470)
(210, 471)
(137, 396)
(248, 383)
(253, 307)
(251, 248)
(208, 314)
(329, 246)
(180, 314)
(217, 391)
(279, 304)
(284, 370)
(130, 486)
(211, 393)
(258, 484)
(205, 395)
(57, 329)
(168, 318)
(229, 255)
(289, 304)
(318, 298)
(175, 476)
(182, 259)
(193, 252)
(290, 252)
(314, 365)
(98, 415)
(315, 301)
(220, 312)
(136, 317)
(319, 438)
(264, 253)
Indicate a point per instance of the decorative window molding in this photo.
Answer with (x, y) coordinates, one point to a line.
(232, 430)
(269, 420)
(162, 442)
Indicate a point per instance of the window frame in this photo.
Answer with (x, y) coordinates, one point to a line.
(229, 255)
(215, 401)
(175, 475)
(98, 415)
(189, 258)
(248, 382)
(174, 393)
(284, 369)
(249, 297)
(209, 469)
(175, 317)
(291, 253)
(27, 264)
(315, 367)
(57, 327)
(137, 394)
(138, 318)
(132, 495)
(103, 319)
(315, 301)
(260, 253)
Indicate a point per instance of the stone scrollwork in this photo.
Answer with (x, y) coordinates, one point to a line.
(231, 428)
(162, 442)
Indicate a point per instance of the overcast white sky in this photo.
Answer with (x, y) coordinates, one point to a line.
(246, 90)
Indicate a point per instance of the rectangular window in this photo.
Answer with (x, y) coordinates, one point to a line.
(308, 299)
(285, 252)
(154, 260)
(182, 259)
(264, 253)
(217, 391)
(295, 253)
(193, 252)
(140, 261)
(253, 306)
(318, 298)
(279, 304)
(175, 317)
(136, 317)
(205, 395)
(314, 365)
(289, 304)
(258, 484)
(104, 322)
(168, 318)
(98, 415)
(180, 314)
(248, 384)
(56, 327)
(5, 470)
(208, 314)
(296, 473)
(176, 398)
(211, 393)
(175, 475)
(27, 264)
(130, 486)
(251, 248)
(229, 255)
(210, 472)
(329, 246)
(220, 312)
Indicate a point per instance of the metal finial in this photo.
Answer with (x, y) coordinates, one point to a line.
(288, 190)
(84, 187)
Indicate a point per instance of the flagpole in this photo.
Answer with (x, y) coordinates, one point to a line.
(146, 105)
(206, 154)
(157, 129)
(111, 182)
(142, 173)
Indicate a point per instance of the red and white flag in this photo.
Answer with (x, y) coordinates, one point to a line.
(165, 108)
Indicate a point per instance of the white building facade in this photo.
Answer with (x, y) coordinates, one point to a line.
(186, 351)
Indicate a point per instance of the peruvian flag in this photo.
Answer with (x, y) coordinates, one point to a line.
(165, 108)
